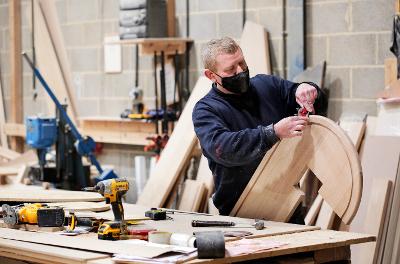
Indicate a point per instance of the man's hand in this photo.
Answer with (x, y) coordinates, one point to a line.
(290, 126)
(306, 95)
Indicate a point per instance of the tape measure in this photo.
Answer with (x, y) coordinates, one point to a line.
(156, 214)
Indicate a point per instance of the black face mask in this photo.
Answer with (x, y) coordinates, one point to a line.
(238, 83)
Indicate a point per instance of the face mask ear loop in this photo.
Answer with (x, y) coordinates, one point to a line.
(219, 77)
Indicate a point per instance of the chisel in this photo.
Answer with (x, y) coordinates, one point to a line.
(259, 225)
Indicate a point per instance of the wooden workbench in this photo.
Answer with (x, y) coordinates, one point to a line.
(304, 242)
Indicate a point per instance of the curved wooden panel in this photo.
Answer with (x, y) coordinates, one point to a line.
(324, 148)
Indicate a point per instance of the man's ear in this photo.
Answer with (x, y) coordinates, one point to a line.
(210, 75)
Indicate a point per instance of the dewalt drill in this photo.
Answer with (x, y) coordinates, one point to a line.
(112, 190)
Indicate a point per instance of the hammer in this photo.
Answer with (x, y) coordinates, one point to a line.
(259, 224)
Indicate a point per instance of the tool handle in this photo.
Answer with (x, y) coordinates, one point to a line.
(118, 210)
(202, 223)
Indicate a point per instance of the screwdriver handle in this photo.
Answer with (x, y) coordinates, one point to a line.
(202, 223)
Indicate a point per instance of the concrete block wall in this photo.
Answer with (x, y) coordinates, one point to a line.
(353, 36)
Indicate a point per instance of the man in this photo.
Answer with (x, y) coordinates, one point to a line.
(241, 118)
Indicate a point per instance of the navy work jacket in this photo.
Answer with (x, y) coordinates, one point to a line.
(235, 132)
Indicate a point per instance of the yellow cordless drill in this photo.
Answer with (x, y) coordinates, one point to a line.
(112, 190)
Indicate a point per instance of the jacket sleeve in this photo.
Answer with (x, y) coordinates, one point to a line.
(287, 91)
(230, 148)
(284, 90)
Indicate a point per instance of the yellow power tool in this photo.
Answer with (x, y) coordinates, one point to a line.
(112, 190)
(36, 213)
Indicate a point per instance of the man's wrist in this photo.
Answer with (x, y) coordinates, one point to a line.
(270, 133)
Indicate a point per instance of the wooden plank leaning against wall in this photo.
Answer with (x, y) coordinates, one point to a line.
(16, 69)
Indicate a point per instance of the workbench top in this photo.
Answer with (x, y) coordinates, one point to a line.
(39, 247)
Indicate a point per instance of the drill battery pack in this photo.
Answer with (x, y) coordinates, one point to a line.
(50, 217)
(156, 214)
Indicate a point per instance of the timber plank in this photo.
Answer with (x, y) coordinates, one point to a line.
(327, 151)
(50, 60)
(380, 159)
(15, 39)
(205, 176)
(314, 210)
(3, 136)
(175, 154)
(373, 222)
(38, 195)
(192, 196)
(255, 48)
(83, 206)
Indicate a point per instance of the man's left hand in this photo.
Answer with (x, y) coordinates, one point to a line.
(306, 95)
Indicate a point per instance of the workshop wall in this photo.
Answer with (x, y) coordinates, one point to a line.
(353, 36)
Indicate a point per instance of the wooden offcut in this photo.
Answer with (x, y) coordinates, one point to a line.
(205, 176)
(325, 216)
(28, 158)
(192, 196)
(314, 210)
(8, 153)
(392, 91)
(355, 130)
(171, 18)
(390, 71)
(175, 154)
(327, 151)
(255, 48)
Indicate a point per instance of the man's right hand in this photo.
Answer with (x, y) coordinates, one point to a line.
(290, 126)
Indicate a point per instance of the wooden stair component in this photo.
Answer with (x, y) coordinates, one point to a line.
(327, 151)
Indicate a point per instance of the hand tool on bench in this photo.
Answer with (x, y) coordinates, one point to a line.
(91, 222)
(259, 224)
(36, 214)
